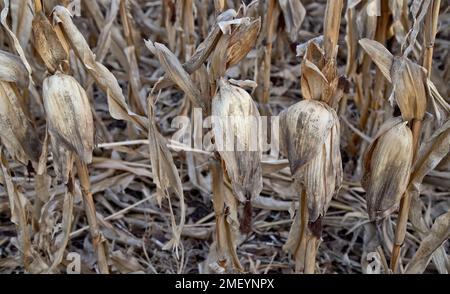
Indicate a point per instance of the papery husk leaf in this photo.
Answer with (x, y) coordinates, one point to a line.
(22, 15)
(432, 152)
(322, 175)
(12, 36)
(409, 88)
(18, 206)
(13, 70)
(66, 225)
(69, 115)
(305, 127)
(387, 164)
(222, 257)
(47, 43)
(236, 127)
(16, 132)
(242, 40)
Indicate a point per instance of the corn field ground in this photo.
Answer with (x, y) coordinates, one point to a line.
(197, 136)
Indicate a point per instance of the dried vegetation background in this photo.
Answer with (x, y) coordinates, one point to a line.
(88, 95)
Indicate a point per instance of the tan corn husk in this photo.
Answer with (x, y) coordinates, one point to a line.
(13, 69)
(242, 160)
(387, 165)
(310, 137)
(47, 43)
(16, 131)
(69, 115)
(408, 79)
(242, 40)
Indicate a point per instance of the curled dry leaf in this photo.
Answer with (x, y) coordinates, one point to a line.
(13, 70)
(18, 205)
(236, 127)
(310, 137)
(176, 73)
(223, 257)
(408, 79)
(242, 40)
(165, 176)
(294, 13)
(440, 233)
(432, 152)
(387, 165)
(105, 79)
(409, 88)
(12, 36)
(69, 115)
(47, 44)
(17, 134)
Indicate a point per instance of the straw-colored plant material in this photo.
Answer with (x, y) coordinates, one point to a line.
(439, 233)
(294, 13)
(242, 40)
(105, 79)
(236, 128)
(357, 101)
(13, 70)
(310, 138)
(408, 79)
(387, 164)
(47, 43)
(165, 176)
(223, 256)
(69, 115)
(16, 132)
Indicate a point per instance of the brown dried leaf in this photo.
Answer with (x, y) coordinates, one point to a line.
(47, 43)
(432, 152)
(440, 233)
(294, 13)
(409, 88)
(17, 134)
(12, 36)
(13, 70)
(176, 73)
(242, 40)
(106, 80)
(380, 55)
(165, 176)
